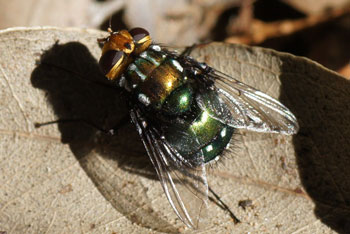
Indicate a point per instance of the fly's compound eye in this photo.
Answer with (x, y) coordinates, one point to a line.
(141, 39)
(139, 35)
(111, 62)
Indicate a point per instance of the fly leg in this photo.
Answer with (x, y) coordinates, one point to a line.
(188, 50)
(124, 121)
(59, 121)
(81, 77)
(195, 68)
(186, 58)
(112, 131)
(219, 202)
(222, 205)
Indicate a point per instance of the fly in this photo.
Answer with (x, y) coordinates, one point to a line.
(185, 113)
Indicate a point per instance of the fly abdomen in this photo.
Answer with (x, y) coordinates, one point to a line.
(198, 133)
(204, 137)
(212, 136)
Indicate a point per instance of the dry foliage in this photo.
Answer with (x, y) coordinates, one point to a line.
(69, 178)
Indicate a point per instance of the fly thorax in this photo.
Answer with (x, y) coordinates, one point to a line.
(179, 101)
(154, 76)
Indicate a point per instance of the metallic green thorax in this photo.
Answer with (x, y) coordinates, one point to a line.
(158, 82)
(179, 101)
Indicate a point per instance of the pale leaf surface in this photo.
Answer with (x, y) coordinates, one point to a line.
(69, 178)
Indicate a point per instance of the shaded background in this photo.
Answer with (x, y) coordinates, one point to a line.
(317, 29)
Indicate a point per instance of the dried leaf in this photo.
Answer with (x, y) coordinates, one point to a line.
(36, 13)
(69, 178)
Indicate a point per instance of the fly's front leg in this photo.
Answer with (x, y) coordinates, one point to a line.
(112, 131)
(124, 121)
(78, 120)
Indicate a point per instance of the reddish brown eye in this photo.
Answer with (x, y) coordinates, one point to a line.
(109, 59)
(138, 34)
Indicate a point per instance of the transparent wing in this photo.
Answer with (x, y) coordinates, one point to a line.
(252, 109)
(185, 186)
(248, 107)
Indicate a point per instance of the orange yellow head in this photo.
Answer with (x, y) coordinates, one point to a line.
(118, 48)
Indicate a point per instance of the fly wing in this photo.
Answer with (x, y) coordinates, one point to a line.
(250, 108)
(185, 186)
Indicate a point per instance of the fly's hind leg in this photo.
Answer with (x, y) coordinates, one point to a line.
(219, 202)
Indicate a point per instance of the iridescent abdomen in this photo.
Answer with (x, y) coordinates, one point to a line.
(201, 133)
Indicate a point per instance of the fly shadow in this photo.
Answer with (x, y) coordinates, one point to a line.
(321, 102)
(76, 89)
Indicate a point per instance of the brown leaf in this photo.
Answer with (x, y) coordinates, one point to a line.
(108, 183)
